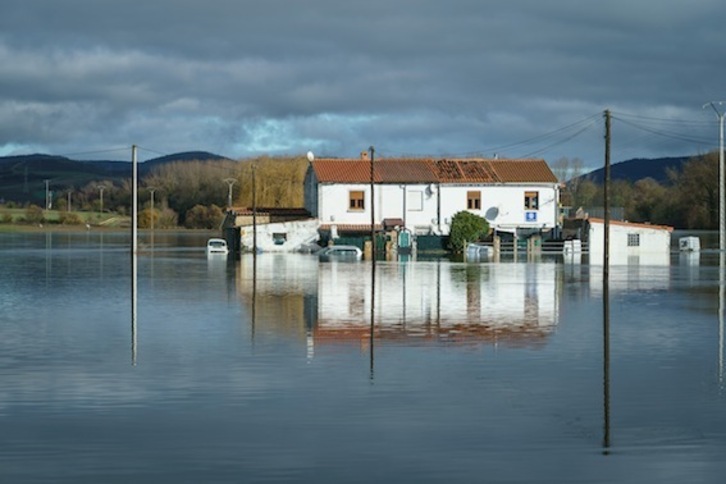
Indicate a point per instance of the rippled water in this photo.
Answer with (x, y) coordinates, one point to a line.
(471, 373)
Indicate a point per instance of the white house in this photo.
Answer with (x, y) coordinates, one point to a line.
(518, 196)
(630, 243)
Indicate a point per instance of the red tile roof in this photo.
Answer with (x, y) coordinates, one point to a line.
(632, 224)
(420, 170)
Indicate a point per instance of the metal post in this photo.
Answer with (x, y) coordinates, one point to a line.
(101, 188)
(47, 195)
(134, 248)
(721, 189)
(230, 182)
(152, 190)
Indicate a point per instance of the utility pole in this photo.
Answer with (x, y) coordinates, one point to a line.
(153, 214)
(373, 208)
(606, 287)
(721, 235)
(606, 197)
(721, 189)
(134, 249)
(230, 182)
(47, 195)
(69, 201)
(101, 188)
(254, 211)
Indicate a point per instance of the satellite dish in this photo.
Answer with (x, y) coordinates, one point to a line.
(491, 214)
(311, 156)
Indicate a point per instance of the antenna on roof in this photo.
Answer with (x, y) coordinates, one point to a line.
(311, 156)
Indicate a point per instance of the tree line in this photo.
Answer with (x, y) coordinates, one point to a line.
(193, 194)
(688, 200)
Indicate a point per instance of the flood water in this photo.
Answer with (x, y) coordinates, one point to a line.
(282, 368)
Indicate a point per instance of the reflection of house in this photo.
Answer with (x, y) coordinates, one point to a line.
(424, 194)
(424, 302)
(630, 243)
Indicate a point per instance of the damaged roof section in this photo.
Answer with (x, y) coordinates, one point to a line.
(422, 170)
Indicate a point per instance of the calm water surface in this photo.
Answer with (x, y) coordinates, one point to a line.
(286, 369)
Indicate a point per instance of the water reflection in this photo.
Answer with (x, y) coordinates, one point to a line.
(422, 302)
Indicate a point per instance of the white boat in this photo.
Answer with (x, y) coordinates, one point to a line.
(217, 246)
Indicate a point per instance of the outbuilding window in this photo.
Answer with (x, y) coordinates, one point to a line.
(356, 200)
(633, 240)
(473, 200)
(531, 200)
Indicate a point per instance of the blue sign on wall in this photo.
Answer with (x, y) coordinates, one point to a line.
(530, 216)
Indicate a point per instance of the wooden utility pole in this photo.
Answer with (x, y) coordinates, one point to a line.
(373, 208)
(254, 210)
(606, 288)
(606, 197)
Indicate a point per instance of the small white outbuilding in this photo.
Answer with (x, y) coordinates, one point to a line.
(630, 242)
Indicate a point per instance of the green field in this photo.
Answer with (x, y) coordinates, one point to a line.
(18, 217)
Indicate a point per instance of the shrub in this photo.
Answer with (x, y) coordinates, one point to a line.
(201, 217)
(69, 218)
(34, 214)
(466, 227)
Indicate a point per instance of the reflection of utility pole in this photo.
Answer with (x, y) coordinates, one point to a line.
(230, 182)
(47, 195)
(101, 188)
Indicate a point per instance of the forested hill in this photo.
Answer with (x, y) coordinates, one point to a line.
(639, 168)
(23, 177)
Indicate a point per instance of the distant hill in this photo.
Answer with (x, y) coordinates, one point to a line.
(639, 168)
(22, 178)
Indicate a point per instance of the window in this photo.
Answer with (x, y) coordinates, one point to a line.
(414, 200)
(356, 200)
(473, 200)
(633, 240)
(531, 200)
(279, 238)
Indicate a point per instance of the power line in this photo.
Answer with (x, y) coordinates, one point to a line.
(96, 152)
(664, 133)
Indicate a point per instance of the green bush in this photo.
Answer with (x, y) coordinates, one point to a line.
(34, 214)
(69, 218)
(7, 218)
(466, 227)
(201, 217)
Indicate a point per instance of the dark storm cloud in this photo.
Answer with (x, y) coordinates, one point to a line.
(418, 77)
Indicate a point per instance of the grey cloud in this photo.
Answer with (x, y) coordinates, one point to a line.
(416, 75)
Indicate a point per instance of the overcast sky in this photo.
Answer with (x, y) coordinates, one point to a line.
(239, 78)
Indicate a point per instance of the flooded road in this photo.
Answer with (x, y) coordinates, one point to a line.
(288, 369)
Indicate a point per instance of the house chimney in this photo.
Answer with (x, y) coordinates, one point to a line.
(364, 155)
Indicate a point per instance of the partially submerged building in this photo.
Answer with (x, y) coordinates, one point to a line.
(422, 195)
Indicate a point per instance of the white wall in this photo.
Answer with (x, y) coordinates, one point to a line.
(422, 205)
(509, 200)
(390, 200)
